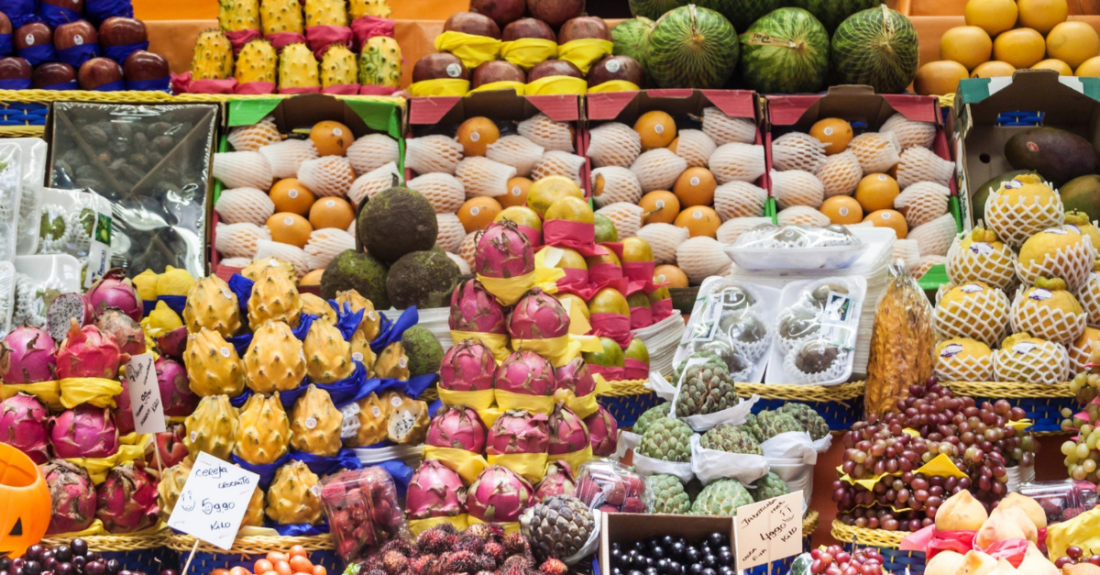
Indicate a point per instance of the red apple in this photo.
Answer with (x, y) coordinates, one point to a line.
(5, 24)
(97, 72)
(74, 5)
(33, 34)
(141, 66)
(528, 28)
(441, 65)
(555, 12)
(471, 23)
(74, 34)
(498, 71)
(501, 11)
(118, 31)
(13, 68)
(554, 68)
(52, 73)
(617, 68)
(583, 27)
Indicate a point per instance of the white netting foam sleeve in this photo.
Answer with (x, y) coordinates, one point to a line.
(292, 255)
(726, 130)
(555, 163)
(658, 169)
(1015, 222)
(433, 153)
(451, 232)
(910, 134)
(372, 152)
(695, 147)
(327, 176)
(239, 240)
(797, 188)
(254, 137)
(983, 315)
(247, 205)
(516, 151)
(803, 215)
(739, 200)
(994, 265)
(876, 151)
(840, 174)
(737, 162)
(626, 217)
(243, 170)
(1073, 263)
(614, 144)
(797, 151)
(286, 157)
(484, 177)
(922, 203)
(325, 244)
(616, 184)
(444, 191)
(1089, 296)
(547, 133)
(934, 237)
(923, 165)
(370, 184)
(1045, 321)
(701, 257)
(733, 228)
(964, 368)
(1045, 363)
(663, 239)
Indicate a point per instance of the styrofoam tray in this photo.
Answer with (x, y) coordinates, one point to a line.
(62, 270)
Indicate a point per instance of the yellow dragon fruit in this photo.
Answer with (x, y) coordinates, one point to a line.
(373, 415)
(361, 352)
(298, 67)
(213, 57)
(326, 13)
(171, 485)
(212, 305)
(315, 306)
(235, 15)
(376, 8)
(316, 423)
(338, 67)
(213, 366)
(408, 420)
(328, 356)
(273, 298)
(257, 62)
(212, 427)
(392, 363)
(254, 515)
(252, 270)
(264, 434)
(278, 16)
(294, 495)
(275, 360)
(380, 62)
(371, 325)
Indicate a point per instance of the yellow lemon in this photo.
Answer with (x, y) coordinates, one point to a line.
(939, 78)
(993, 69)
(549, 190)
(1061, 67)
(1088, 69)
(1073, 43)
(146, 285)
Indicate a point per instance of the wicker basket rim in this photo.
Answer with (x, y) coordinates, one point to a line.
(1010, 389)
(123, 542)
(869, 537)
(252, 545)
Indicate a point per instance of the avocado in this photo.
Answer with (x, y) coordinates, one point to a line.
(980, 194)
(423, 279)
(1082, 194)
(357, 271)
(1057, 155)
(396, 222)
(423, 350)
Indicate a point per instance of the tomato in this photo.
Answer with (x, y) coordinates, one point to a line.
(283, 568)
(275, 557)
(239, 571)
(220, 572)
(263, 566)
(272, 572)
(300, 564)
(319, 570)
(297, 551)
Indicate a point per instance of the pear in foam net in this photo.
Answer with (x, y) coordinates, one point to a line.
(961, 512)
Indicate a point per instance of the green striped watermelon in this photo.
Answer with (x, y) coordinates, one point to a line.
(692, 47)
(631, 38)
(832, 12)
(652, 9)
(878, 47)
(785, 52)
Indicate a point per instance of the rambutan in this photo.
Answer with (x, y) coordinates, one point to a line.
(394, 562)
(495, 551)
(516, 544)
(553, 567)
(460, 562)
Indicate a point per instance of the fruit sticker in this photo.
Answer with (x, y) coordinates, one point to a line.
(454, 70)
(981, 248)
(1023, 348)
(971, 288)
(951, 350)
(1040, 294)
(1032, 146)
(612, 66)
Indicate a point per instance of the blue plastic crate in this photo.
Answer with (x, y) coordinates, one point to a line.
(1044, 411)
(207, 562)
(150, 561)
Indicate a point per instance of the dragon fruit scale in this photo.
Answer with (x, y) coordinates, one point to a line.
(86, 431)
(64, 308)
(127, 332)
(525, 372)
(27, 355)
(435, 491)
(169, 446)
(263, 434)
(576, 377)
(468, 366)
(171, 485)
(503, 252)
(275, 360)
(212, 427)
(558, 481)
(127, 501)
(72, 496)
(603, 432)
(517, 431)
(315, 423)
(274, 297)
(291, 497)
(458, 427)
(538, 315)
(213, 366)
(175, 393)
(328, 355)
(23, 426)
(88, 352)
(498, 495)
(474, 309)
(114, 289)
(212, 305)
(254, 515)
(568, 433)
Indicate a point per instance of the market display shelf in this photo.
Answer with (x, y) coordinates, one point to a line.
(134, 551)
(885, 542)
(840, 405)
(246, 550)
(1043, 403)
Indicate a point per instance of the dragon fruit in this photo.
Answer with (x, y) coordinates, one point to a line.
(408, 420)
(127, 500)
(328, 355)
(213, 427)
(23, 426)
(86, 431)
(175, 391)
(503, 252)
(171, 485)
(558, 481)
(275, 360)
(263, 435)
(576, 377)
(435, 491)
(212, 305)
(525, 372)
(169, 446)
(173, 343)
(468, 366)
(603, 432)
(127, 332)
(64, 308)
(213, 366)
(315, 423)
(498, 495)
(114, 289)
(72, 496)
(88, 352)
(124, 415)
(27, 355)
(274, 297)
(538, 315)
(291, 498)
(568, 433)
(517, 431)
(474, 309)
(458, 427)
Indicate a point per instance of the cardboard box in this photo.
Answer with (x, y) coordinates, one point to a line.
(625, 529)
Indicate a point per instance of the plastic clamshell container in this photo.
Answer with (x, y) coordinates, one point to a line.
(60, 270)
(7, 296)
(363, 511)
(809, 248)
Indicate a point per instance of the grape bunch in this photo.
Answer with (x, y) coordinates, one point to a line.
(921, 495)
(1082, 456)
(1075, 555)
(1086, 386)
(834, 560)
(71, 559)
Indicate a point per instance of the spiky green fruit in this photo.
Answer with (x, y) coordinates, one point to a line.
(722, 498)
(298, 67)
(768, 487)
(236, 15)
(257, 62)
(705, 388)
(810, 420)
(768, 423)
(667, 439)
(278, 16)
(213, 57)
(338, 66)
(709, 356)
(731, 439)
(380, 63)
(652, 414)
(668, 495)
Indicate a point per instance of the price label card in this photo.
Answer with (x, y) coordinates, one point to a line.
(214, 500)
(145, 402)
(768, 531)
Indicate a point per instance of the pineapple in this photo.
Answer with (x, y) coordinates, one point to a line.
(376, 8)
(326, 13)
(298, 67)
(256, 63)
(338, 66)
(213, 59)
(280, 16)
(380, 63)
(236, 15)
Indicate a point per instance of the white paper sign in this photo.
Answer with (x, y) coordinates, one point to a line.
(214, 501)
(768, 531)
(145, 402)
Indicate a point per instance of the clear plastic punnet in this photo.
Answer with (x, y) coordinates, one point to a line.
(7, 296)
(1061, 500)
(607, 485)
(363, 511)
(35, 151)
(817, 331)
(795, 247)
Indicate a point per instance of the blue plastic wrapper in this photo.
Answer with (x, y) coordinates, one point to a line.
(342, 392)
(392, 331)
(322, 466)
(412, 388)
(6, 47)
(55, 15)
(174, 302)
(305, 321)
(119, 53)
(266, 472)
(96, 11)
(73, 85)
(111, 87)
(77, 55)
(242, 341)
(15, 84)
(20, 11)
(161, 85)
(301, 529)
(347, 321)
(38, 54)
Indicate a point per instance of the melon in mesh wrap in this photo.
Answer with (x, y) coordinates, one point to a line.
(614, 184)
(254, 137)
(247, 205)
(547, 133)
(445, 192)
(737, 162)
(370, 184)
(701, 257)
(1016, 221)
(734, 228)
(1072, 262)
(626, 217)
(614, 144)
(926, 264)
(840, 174)
(451, 232)
(664, 239)
(960, 359)
(922, 203)
(372, 152)
(692, 47)
(516, 151)
(934, 237)
(292, 255)
(972, 310)
(785, 52)
(433, 153)
(1032, 362)
(876, 47)
(739, 200)
(724, 129)
(325, 244)
(695, 147)
(910, 134)
(993, 264)
(802, 215)
(1038, 317)
(877, 152)
(239, 240)
(327, 176)
(658, 169)
(1081, 350)
(242, 170)
(555, 163)
(797, 151)
(797, 188)
(286, 157)
(468, 249)
(923, 165)
(484, 177)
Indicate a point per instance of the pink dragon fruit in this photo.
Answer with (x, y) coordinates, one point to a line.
(498, 495)
(169, 446)
(23, 426)
(173, 343)
(435, 491)
(503, 252)
(175, 392)
(518, 431)
(88, 352)
(458, 427)
(603, 431)
(65, 308)
(567, 431)
(114, 289)
(558, 481)
(72, 495)
(538, 315)
(576, 377)
(86, 431)
(468, 366)
(27, 355)
(525, 372)
(127, 500)
(474, 309)
(124, 414)
(128, 333)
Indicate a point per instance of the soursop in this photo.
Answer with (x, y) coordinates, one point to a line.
(810, 420)
(668, 495)
(768, 487)
(731, 439)
(769, 423)
(722, 497)
(667, 439)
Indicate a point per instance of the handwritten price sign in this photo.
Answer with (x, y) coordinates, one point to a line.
(145, 402)
(214, 500)
(769, 530)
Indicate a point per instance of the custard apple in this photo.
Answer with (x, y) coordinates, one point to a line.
(706, 388)
(731, 439)
(810, 420)
(667, 439)
(768, 487)
(667, 495)
(652, 414)
(722, 497)
(769, 423)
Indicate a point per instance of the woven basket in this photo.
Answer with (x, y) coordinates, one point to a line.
(809, 525)
(146, 553)
(1043, 403)
(885, 542)
(246, 550)
(628, 400)
(840, 405)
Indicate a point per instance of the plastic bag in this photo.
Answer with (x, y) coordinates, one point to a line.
(78, 223)
(608, 486)
(817, 330)
(795, 247)
(35, 151)
(11, 192)
(363, 511)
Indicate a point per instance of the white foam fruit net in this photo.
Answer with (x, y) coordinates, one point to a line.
(734, 228)
(963, 367)
(1089, 296)
(927, 263)
(325, 244)
(840, 174)
(981, 261)
(658, 169)
(1081, 349)
(663, 239)
(287, 156)
(797, 188)
(372, 152)
(1073, 263)
(292, 255)
(468, 249)
(617, 184)
(370, 184)
(1016, 221)
(484, 177)
(239, 240)
(327, 176)
(726, 130)
(1032, 312)
(907, 251)
(626, 217)
(235, 262)
(701, 257)
(242, 170)
(451, 232)
(922, 203)
(797, 151)
(923, 165)
(910, 134)
(802, 215)
(244, 205)
(433, 153)
(547, 133)
(555, 163)
(444, 191)
(614, 144)
(982, 315)
(695, 147)
(254, 137)
(516, 151)
(737, 162)
(1045, 363)
(739, 200)
(463, 267)
(876, 151)
(934, 238)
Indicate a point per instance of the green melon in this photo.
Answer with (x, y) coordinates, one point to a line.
(741, 13)
(832, 12)
(785, 52)
(877, 47)
(692, 47)
(652, 9)
(631, 38)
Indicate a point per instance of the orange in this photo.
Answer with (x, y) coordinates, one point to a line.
(1042, 15)
(939, 78)
(842, 210)
(889, 219)
(993, 16)
(695, 187)
(516, 194)
(477, 213)
(331, 213)
(699, 221)
(290, 195)
(993, 69)
(476, 134)
(662, 207)
(671, 275)
(656, 128)
(1089, 68)
(1073, 43)
(313, 278)
(967, 45)
(1061, 67)
(288, 228)
(877, 192)
(331, 138)
(834, 133)
(1022, 47)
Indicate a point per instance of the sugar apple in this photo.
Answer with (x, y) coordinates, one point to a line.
(810, 420)
(710, 356)
(769, 423)
(768, 487)
(731, 439)
(557, 527)
(667, 439)
(667, 495)
(722, 497)
(706, 388)
(652, 414)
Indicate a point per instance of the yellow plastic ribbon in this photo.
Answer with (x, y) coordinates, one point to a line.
(528, 52)
(97, 468)
(92, 390)
(614, 86)
(494, 86)
(466, 464)
(532, 466)
(557, 350)
(941, 466)
(1082, 531)
(497, 342)
(439, 87)
(509, 290)
(507, 400)
(584, 52)
(252, 531)
(1021, 425)
(96, 528)
(911, 432)
(476, 399)
(509, 527)
(574, 459)
(472, 50)
(48, 392)
(586, 405)
(557, 86)
(417, 526)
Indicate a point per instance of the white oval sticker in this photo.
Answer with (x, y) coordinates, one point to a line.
(228, 294)
(660, 278)
(371, 316)
(475, 137)
(694, 181)
(475, 211)
(403, 362)
(659, 128)
(454, 70)
(660, 204)
(330, 203)
(292, 192)
(376, 411)
(887, 215)
(881, 178)
(971, 288)
(981, 248)
(697, 215)
(1040, 294)
(951, 350)
(396, 401)
(315, 490)
(225, 352)
(311, 422)
(517, 192)
(357, 356)
(288, 221)
(612, 66)
(828, 131)
(337, 132)
(194, 436)
(29, 39)
(843, 210)
(78, 40)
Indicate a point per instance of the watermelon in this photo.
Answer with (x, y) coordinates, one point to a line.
(631, 38)
(878, 47)
(692, 47)
(741, 13)
(832, 12)
(785, 52)
(652, 9)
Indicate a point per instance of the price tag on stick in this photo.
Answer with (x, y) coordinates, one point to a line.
(145, 402)
(768, 531)
(213, 502)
